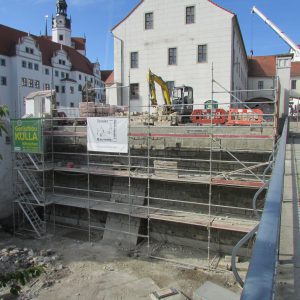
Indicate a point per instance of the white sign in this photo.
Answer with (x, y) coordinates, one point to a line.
(107, 135)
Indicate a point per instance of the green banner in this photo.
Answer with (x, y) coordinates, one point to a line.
(27, 135)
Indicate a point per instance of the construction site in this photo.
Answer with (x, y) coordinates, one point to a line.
(196, 185)
(157, 197)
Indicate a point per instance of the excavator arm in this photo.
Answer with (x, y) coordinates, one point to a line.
(152, 79)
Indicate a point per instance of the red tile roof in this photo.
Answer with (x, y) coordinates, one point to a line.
(10, 37)
(108, 77)
(79, 43)
(262, 66)
(133, 10)
(295, 69)
(265, 66)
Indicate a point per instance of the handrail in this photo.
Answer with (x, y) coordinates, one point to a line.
(260, 279)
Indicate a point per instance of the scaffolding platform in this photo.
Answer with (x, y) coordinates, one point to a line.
(222, 222)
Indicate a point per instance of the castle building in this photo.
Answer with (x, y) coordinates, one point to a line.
(29, 63)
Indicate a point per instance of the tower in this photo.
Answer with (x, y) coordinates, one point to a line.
(61, 24)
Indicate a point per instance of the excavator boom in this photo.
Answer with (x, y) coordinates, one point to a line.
(152, 79)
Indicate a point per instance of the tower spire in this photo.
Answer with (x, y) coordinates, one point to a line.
(61, 7)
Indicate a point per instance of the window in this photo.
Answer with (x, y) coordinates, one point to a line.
(30, 83)
(62, 75)
(37, 84)
(190, 15)
(170, 85)
(134, 60)
(29, 50)
(3, 80)
(24, 81)
(63, 89)
(47, 86)
(72, 104)
(148, 21)
(71, 89)
(24, 64)
(260, 85)
(47, 71)
(79, 76)
(30, 65)
(61, 37)
(57, 104)
(61, 62)
(202, 53)
(36, 67)
(67, 75)
(2, 62)
(57, 89)
(134, 91)
(91, 80)
(56, 73)
(79, 88)
(294, 84)
(172, 56)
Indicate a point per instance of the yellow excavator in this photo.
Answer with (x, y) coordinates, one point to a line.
(181, 99)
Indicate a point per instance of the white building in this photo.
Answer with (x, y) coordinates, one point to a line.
(30, 63)
(263, 71)
(179, 40)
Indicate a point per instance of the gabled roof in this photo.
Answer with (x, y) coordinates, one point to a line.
(135, 8)
(10, 37)
(79, 43)
(108, 77)
(265, 66)
(262, 66)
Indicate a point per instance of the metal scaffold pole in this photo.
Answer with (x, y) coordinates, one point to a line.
(129, 165)
(210, 169)
(148, 175)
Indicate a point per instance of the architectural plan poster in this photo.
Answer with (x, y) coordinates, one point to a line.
(107, 135)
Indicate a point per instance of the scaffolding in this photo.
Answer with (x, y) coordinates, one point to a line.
(173, 179)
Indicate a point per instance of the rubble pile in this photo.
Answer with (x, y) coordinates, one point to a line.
(13, 259)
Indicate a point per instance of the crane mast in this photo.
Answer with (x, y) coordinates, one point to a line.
(293, 45)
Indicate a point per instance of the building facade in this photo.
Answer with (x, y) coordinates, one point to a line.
(30, 63)
(180, 41)
(263, 73)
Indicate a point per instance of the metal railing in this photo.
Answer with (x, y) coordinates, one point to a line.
(261, 276)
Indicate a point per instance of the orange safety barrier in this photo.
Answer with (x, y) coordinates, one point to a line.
(205, 116)
(244, 116)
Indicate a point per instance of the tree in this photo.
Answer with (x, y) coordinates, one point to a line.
(3, 115)
(88, 93)
(15, 279)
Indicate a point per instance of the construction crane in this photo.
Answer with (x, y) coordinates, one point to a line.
(181, 99)
(293, 45)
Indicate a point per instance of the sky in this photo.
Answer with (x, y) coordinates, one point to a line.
(95, 18)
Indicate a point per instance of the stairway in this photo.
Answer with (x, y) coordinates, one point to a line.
(29, 191)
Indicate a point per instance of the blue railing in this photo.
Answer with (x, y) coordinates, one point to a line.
(261, 277)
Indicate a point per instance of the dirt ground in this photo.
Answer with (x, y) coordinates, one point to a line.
(86, 270)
